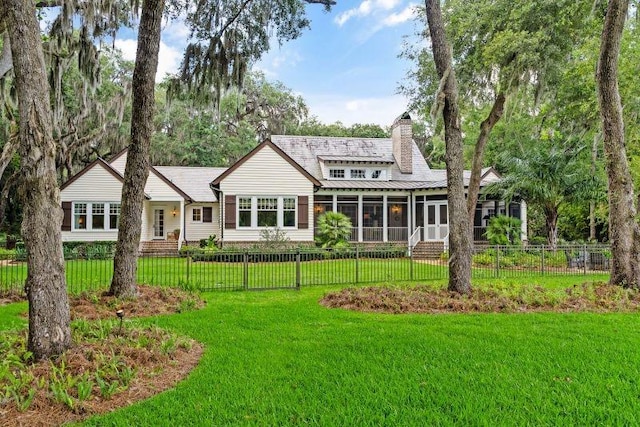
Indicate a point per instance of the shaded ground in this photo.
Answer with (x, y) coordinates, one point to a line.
(599, 297)
(140, 362)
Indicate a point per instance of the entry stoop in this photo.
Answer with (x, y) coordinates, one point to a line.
(428, 250)
(159, 248)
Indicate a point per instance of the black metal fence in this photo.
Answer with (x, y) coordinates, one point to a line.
(268, 269)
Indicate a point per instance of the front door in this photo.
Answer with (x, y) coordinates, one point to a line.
(158, 223)
(437, 221)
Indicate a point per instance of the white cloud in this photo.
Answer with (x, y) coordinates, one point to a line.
(168, 58)
(176, 32)
(407, 14)
(278, 58)
(366, 8)
(333, 108)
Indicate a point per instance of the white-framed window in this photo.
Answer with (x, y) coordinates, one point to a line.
(267, 211)
(288, 211)
(244, 211)
(114, 215)
(358, 173)
(196, 214)
(336, 173)
(95, 216)
(80, 216)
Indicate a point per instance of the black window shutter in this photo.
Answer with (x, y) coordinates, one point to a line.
(66, 220)
(303, 212)
(230, 212)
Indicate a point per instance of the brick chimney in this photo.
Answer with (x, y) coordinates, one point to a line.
(402, 141)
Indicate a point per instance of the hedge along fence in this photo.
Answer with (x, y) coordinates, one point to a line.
(214, 269)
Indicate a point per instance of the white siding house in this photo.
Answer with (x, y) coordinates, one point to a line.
(384, 185)
(266, 189)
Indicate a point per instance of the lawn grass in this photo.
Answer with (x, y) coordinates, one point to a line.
(279, 358)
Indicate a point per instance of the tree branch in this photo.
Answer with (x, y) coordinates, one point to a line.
(478, 155)
(8, 151)
(6, 60)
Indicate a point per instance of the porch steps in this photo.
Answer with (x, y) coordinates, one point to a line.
(159, 248)
(428, 250)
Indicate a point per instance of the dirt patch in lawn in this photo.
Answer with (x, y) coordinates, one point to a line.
(595, 297)
(118, 366)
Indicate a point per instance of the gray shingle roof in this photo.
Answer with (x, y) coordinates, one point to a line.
(305, 150)
(192, 180)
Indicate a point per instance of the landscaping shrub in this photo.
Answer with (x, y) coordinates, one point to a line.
(334, 230)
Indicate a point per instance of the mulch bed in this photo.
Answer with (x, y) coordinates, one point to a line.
(598, 297)
(156, 371)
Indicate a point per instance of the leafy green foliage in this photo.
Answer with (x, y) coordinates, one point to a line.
(274, 238)
(112, 370)
(504, 230)
(334, 230)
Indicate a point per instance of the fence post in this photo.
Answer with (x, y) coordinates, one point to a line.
(411, 265)
(586, 258)
(298, 269)
(357, 264)
(542, 260)
(497, 249)
(245, 270)
(189, 266)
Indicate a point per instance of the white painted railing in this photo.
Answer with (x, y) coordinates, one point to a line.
(414, 239)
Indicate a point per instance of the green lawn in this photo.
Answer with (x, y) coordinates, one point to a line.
(279, 358)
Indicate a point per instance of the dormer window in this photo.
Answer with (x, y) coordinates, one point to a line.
(336, 173)
(357, 173)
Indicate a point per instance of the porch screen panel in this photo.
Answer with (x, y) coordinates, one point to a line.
(398, 216)
(420, 217)
(321, 204)
(348, 205)
(372, 217)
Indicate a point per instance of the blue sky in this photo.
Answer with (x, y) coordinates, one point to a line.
(346, 66)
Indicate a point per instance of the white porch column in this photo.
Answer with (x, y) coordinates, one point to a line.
(335, 203)
(523, 217)
(410, 214)
(360, 218)
(183, 221)
(385, 219)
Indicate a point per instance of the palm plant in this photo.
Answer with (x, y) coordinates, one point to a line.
(547, 175)
(334, 229)
(504, 230)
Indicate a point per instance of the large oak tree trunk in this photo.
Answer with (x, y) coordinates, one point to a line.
(460, 244)
(624, 232)
(49, 319)
(136, 172)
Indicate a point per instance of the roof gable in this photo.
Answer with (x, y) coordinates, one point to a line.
(167, 181)
(97, 162)
(277, 150)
